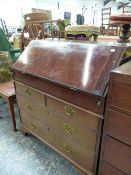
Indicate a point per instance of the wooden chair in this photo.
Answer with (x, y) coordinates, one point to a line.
(7, 91)
(106, 27)
(3, 26)
(106, 12)
(34, 31)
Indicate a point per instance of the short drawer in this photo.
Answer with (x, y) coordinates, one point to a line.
(73, 151)
(77, 115)
(121, 96)
(68, 128)
(119, 126)
(118, 155)
(31, 107)
(30, 93)
(110, 170)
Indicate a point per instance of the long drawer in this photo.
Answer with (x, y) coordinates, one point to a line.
(80, 117)
(118, 155)
(121, 97)
(70, 149)
(110, 170)
(119, 126)
(83, 135)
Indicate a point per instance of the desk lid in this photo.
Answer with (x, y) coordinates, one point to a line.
(79, 66)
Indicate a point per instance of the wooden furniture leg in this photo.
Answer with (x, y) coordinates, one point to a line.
(10, 102)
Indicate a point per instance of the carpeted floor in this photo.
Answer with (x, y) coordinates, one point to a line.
(21, 155)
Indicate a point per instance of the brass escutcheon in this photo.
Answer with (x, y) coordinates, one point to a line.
(30, 107)
(68, 129)
(32, 126)
(68, 148)
(28, 92)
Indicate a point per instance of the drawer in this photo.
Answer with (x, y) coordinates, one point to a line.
(35, 126)
(119, 126)
(76, 152)
(31, 107)
(121, 96)
(118, 155)
(77, 115)
(30, 93)
(71, 150)
(66, 127)
(110, 170)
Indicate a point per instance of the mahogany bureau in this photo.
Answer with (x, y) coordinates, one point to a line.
(116, 146)
(61, 91)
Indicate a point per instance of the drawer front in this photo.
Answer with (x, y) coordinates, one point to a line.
(67, 147)
(31, 107)
(78, 116)
(121, 96)
(35, 126)
(118, 155)
(30, 93)
(76, 152)
(81, 135)
(110, 170)
(119, 126)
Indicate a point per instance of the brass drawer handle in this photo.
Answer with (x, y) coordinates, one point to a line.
(68, 129)
(69, 111)
(30, 107)
(32, 126)
(68, 148)
(28, 92)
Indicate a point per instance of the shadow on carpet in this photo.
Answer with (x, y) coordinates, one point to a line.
(21, 155)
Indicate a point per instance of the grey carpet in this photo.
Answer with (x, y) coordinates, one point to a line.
(22, 155)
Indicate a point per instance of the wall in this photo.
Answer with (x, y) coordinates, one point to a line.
(13, 16)
(10, 11)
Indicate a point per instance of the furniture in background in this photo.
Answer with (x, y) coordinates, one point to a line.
(82, 32)
(35, 16)
(50, 28)
(47, 12)
(7, 91)
(116, 142)
(62, 99)
(106, 28)
(31, 31)
(125, 21)
(3, 26)
(106, 12)
(6, 46)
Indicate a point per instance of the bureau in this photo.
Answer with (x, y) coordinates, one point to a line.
(116, 146)
(61, 91)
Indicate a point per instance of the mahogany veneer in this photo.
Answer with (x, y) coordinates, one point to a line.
(116, 146)
(61, 91)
